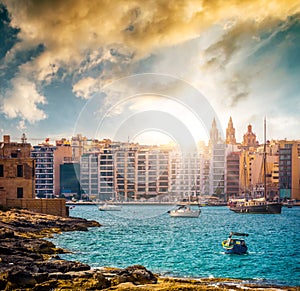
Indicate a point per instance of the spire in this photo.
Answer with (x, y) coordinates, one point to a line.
(230, 133)
(214, 134)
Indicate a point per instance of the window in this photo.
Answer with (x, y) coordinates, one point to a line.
(19, 192)
(19, 170)
(1, 171)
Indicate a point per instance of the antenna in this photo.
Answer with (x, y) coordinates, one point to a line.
(24, 138)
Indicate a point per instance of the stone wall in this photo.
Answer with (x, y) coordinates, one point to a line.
(46, 206)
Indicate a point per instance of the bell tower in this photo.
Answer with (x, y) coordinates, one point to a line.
(214, 133)
(230, 133)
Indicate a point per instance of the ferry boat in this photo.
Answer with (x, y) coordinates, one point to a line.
(235, 245)
(255, 206)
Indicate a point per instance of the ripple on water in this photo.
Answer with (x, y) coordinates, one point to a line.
(146, 235)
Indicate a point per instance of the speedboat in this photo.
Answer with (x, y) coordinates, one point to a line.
(110, 207)
(234, 244)
(185, 211)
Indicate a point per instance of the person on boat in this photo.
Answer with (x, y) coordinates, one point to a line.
(229, 240)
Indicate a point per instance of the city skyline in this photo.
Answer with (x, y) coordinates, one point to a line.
(70, 67)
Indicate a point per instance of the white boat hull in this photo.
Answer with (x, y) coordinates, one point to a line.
(110, 208)
(185, 213)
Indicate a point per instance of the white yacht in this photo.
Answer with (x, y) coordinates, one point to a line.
(185, 211)
(110, 207)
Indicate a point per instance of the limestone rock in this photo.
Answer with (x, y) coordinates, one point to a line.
(136, 274)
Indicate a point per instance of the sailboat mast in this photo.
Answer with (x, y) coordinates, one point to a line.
(264, 160)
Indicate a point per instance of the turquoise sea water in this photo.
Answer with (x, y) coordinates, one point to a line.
(189, 247)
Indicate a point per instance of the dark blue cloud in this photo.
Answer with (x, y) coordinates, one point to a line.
(9, 35)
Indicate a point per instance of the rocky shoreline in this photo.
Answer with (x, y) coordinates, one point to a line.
(29, 262)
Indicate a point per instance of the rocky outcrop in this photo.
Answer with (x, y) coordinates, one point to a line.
(138, 275)
(29, 262)
(25, 258)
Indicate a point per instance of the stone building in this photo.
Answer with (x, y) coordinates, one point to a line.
(249, 138)
(16, 170)
(17, 180)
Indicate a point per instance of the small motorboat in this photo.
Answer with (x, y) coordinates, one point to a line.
(234, 244)
(110, 207)
(185, 211)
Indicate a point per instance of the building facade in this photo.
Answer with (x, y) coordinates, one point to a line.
(69, 180)
(289, 170)
(233, 175)
(43, 155)
(17, 178)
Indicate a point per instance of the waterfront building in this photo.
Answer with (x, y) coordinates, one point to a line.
(289, 170)
(217, 185)
(90, 175)
(125, 161)
(43, 154)
(69, 180)
(16, 170)
(62, 153)
(185, 177)
(217, 150)
(107, 174)
(233, 174)
(17, 179)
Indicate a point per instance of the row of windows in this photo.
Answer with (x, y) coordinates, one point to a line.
(18, 174)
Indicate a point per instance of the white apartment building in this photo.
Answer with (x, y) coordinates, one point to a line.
(44, 170)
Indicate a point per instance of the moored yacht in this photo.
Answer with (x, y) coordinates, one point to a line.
(185, 211)
(257, 205)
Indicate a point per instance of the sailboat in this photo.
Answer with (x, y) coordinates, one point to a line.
(112, 205)
(185, 210)
(258, 205)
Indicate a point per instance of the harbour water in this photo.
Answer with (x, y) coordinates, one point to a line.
(189, 247)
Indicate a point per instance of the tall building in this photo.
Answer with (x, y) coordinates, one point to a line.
(43, 155)
(217, 183)
(90, 175)
(230, 133)
(233, 175)
(289, 170)
(185, 175)
(62, 153)
(69, 180)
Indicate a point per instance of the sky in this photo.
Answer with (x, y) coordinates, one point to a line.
(149, 71)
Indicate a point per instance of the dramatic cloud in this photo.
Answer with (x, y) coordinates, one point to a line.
(75, 29)
(22, 101)
(86, 87)
(217, 46)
